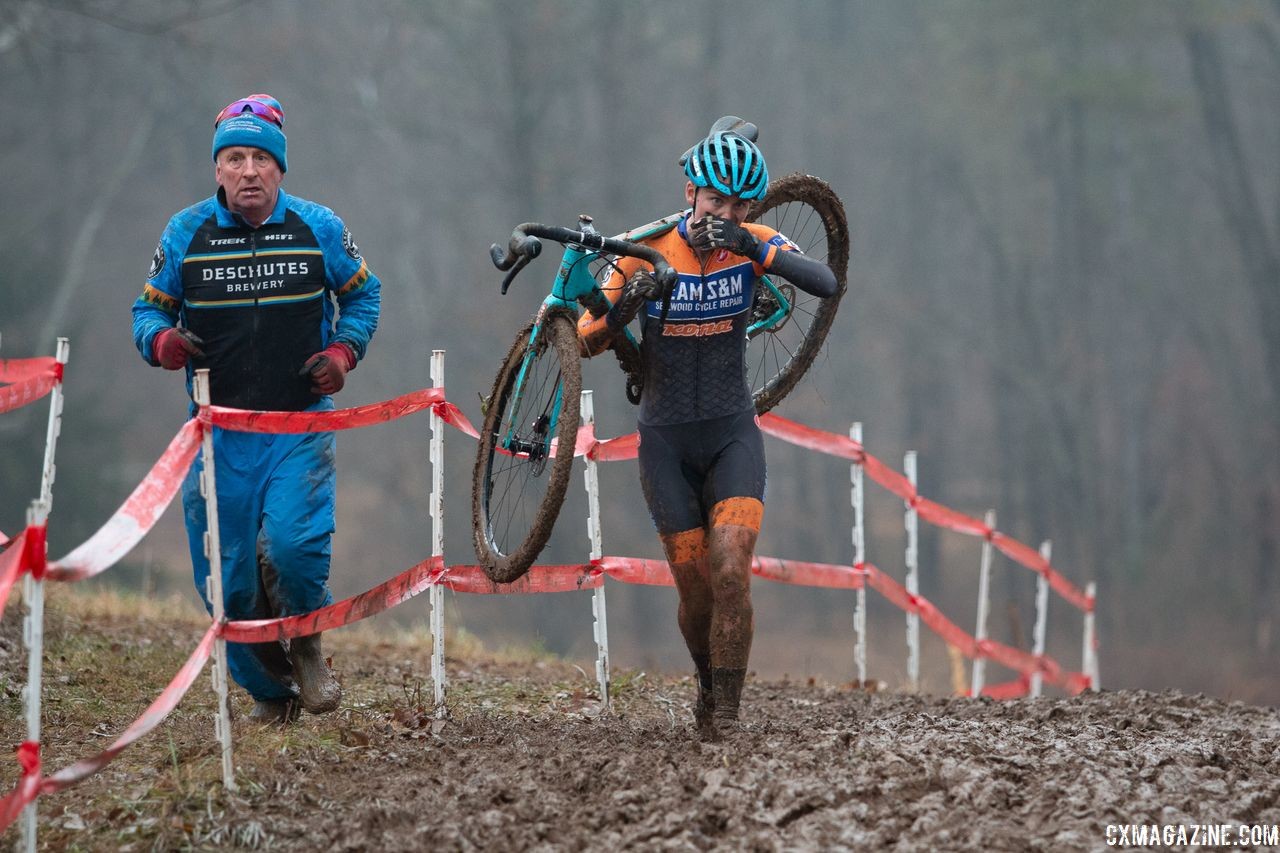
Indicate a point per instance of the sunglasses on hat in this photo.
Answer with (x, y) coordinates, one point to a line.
(249, 105)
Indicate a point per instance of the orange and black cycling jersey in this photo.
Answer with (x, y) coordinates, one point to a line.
(694, 366)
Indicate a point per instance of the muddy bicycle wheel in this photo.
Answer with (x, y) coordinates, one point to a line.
(808, 213)
(521, 475)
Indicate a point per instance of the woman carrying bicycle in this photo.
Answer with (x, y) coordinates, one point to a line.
(702, 466)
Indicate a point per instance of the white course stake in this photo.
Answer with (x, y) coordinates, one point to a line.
(984, 606)
(600, 627)
(213, 585)
(49, 471)
(859, 557)
(1090, 657)
(1042, 620)
(913, 576)
(33, 590)
(33, 636)
(436, 595)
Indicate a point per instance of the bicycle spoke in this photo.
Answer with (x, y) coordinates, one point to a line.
(804, 229)
(809, 235)
(773, 347)
(518, 482)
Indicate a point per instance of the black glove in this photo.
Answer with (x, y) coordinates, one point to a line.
(639, 289)
(710, 233)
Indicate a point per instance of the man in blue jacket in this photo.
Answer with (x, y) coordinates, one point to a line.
(245, 283)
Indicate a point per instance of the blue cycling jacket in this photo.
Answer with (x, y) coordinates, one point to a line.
(262, 299)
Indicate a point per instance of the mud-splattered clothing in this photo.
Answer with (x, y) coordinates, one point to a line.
(685, 469)
(699, 440)
(275, 522)
(695, 366)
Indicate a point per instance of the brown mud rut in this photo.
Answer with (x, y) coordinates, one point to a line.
(525, 761)
(813, 768)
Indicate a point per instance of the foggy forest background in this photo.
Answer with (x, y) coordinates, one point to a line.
(1064, 286)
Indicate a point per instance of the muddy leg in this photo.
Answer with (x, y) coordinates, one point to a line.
(732, 617)
(303, 662)
(730, 545)
(687, 554)
(273, 655)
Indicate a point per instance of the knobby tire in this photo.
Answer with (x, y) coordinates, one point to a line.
(775, 364)
(507, 552)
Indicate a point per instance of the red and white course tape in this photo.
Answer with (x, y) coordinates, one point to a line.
(11, 567)
(26, 380)
(931, 511)
(31, 785)
(243, 420)
(137, 515)
(20, 379)
(386, 595)
(626, 447)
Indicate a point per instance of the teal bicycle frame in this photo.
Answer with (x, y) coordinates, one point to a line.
(573, 283)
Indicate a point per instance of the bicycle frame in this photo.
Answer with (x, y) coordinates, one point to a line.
(510, 442)
(574, 284)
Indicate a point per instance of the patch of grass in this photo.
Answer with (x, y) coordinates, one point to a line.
(108, 603)
(109, 653)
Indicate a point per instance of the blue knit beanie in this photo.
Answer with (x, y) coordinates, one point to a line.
(255, 121)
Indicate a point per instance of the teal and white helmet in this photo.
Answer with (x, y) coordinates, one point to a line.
(728, 163)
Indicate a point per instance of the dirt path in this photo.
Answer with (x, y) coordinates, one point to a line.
(526, 762)
(815, 769)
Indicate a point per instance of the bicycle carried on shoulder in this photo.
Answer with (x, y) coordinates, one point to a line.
(531, 416)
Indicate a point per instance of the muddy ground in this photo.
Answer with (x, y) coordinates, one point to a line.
(525, 761)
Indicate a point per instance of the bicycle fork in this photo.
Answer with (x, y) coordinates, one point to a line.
(530, 434)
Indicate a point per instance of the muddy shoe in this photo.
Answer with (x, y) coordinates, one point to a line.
(709, 731)
(704, 712)
(318, 690)
(269, 711)
(726, 694)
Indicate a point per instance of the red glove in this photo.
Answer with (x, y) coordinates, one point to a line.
(172, 347)
(328, 368)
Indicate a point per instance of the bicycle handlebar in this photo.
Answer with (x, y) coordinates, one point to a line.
(524, 246)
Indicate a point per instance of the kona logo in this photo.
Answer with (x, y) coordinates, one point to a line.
(697, 330)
